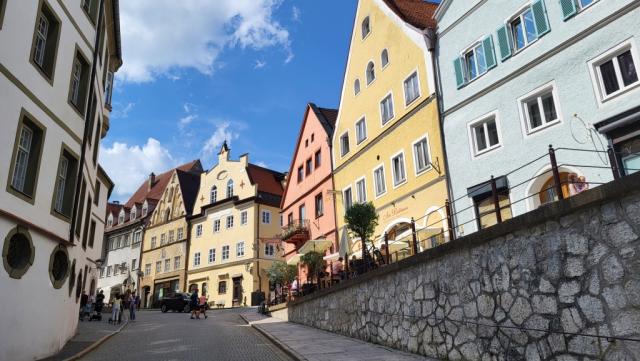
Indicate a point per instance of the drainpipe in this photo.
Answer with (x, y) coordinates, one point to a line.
(188, 249)
(431, 39)
(257, 249)
(87, 130)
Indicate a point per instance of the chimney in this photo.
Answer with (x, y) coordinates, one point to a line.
(116, 202)
(152, 180)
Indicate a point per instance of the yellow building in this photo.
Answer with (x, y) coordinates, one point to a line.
(234, 231)
(166, 239)
(387, 145)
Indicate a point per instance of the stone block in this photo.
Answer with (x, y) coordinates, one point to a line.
(577, 243)
(626, 324)
(567, 291)
(486, 305)
(591, 307)
(546, 286)
(632, 290)
(615, 297)
(531, 353)
(520, 311)
(571, 320)
(545, 305)
(594, 283)
(537, 322)
(619, 234)
(574, 267)
(612, 270)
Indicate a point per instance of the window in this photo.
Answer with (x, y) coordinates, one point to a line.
(380, 183)
(3, 4)
(222, 287)
(198, 231)
(180, 234)
(196, 259)
(616, 72)
(121, 217)
(110, 221)
(26, 159)
(65, 184)
(163, 239)
(214, 194)
(216, 226)
(266, 217)
(347, 199)
(302, 213)
(240, 249)
(290, 219)
(386, 109)
(370, 73)
(225, 253)
(132, 216)
(269, 250)
(523, 29)
(384, 58)
(134, 264)
(421, 156)
(97, 193)
(145, 209)
(313, 137)
(164, 253)
(411, 88)
(300, 174)
(109, 270)
(147, 269)
(398, 170)
(361, 130)
(344, 144)
(361, 191)
(475, 61)
(176, 262)
(167, 265)
(572, 7)
(172, 236)
(229, 222)
(116, 268)
(153, 242)
(356, 87)
(540, 110)
(18, 252)
(212, 255)
(318, 159)
(102, 272)
(484, 135)
(319, 205)
(45, 42)
(137, 237)
(79, 82)
(309, 166)
(108, 92)
(90, 7)
(366, 27)
(230, 188)
(59, 266)
(486, 210)
(127, 241)
(158, 267)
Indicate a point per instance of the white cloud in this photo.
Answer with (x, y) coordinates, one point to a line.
(129, 165)
(261, 164)
(160, 37)
(186, 120)
(260, 64)
(121, 110)
(295, 14)
(212, 145)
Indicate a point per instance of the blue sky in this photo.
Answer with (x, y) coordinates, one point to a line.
(241, 70)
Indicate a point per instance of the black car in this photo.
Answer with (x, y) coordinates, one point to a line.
(176, 302)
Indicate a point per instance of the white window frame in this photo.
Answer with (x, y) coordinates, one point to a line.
(596, 76)
(240, 251)
(176, 262)
(217, 224)
(266, 217)
(363, 120)
(415, 158)
(514, 17)
(61, 183)
(344, 203)
(212, 255)
(244, 218)
(375, 180)
(366, 70)
(362, 35)
(147, 269)
(357, 90)
(229, 225)
(384, 66)
(393, 106)
(536, 94)
(471, 136)
(581, 8)
(41, 39)
(269, 250)
(357, 195)
(404, 91)
(198, 230)
(180, 234)
(463, 57)
(196, 259)
(225, 253)
(167, 265)
(404, 166)
(342, 152)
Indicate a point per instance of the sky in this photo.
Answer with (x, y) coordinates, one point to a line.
(198, 72)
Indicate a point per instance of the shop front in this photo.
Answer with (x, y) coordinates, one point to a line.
(164, 288)
(623, 134)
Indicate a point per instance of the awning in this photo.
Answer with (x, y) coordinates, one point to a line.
(332, 257)
(295, 259)
(315, 245)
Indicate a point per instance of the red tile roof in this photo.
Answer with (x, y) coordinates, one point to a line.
(269, 181)
(418, 13)
(160, 184)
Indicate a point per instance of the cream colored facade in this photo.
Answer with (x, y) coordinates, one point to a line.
(234, 235)
(397, 162)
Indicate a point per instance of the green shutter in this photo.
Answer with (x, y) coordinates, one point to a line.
(504, 42)
(457, 65)
(540, 17)
(489, 52)
(569, 8)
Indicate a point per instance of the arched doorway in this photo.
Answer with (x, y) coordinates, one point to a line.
(433, 232)
(548, 192)
(542, 189)
(399, 239)
(92, 287)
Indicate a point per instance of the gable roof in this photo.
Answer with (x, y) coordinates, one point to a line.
(418, 13)
(327, 118)
(268, 181)
(189, 187)
(160, 184)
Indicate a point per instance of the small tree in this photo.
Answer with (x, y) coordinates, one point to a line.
(315, 263)
(282, 273)
(362, 220)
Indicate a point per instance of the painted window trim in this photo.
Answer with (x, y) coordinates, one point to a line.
(404, 165)
(415, 159)
(363, 118)
(511, 19)
(366, 70)
(524, 122)
(404, 92)
(350, 188)
(363, 36)
(384, 66)
(342, 152)
(471, 136)
(596, 78)
(364, 179)
(380, 166)
(393, 105)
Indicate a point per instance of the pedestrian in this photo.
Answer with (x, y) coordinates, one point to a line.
(99, 304)
(84, 302)
(337, 271)
(126, 301)
(195, 311)
(203, 303)
(138, 302)
(115, 309)
(132, 306)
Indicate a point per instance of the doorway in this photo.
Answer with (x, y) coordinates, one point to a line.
(146, 291)
(237, 291)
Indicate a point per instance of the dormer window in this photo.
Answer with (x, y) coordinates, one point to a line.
(121, 217)
(356, 87)
(133, 213)
(214, 194)
(371, 73)
(366, 27)
(110, 221)
(145, 209)
(230, 188)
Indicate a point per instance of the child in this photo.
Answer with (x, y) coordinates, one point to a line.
(203, 304)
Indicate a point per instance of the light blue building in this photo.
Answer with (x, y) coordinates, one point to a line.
(517, 76)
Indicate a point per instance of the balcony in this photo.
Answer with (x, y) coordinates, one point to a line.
(296, 231)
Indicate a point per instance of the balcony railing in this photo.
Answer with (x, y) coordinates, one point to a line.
(297, 230)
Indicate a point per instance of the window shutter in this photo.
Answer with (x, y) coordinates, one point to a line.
(540, 17)
(569, 8)
(504, 42)
(457, 65)
(489, 52)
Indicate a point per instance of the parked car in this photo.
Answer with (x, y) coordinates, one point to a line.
(176, 302)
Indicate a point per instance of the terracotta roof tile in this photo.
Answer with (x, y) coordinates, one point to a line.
(160, 184)
(418, 13)
(269, 181)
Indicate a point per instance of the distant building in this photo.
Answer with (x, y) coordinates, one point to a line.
(234, 232)
(517, 77)
(308, 206)
(55, 103)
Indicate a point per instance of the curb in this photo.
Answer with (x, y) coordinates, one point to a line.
(286, 349)
(96, 344)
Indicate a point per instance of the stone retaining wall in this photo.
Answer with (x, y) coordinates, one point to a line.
(522, 290)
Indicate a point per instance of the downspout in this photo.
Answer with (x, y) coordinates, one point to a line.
(87, 130)
(432, 44)
(335, 205)
(257, 248)
(186, 261)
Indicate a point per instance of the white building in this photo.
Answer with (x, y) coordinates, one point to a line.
(518, 76)
(55, 110)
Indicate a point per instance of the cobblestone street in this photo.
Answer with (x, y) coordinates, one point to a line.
(173, 336)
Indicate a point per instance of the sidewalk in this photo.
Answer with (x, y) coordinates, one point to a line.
(307, 343)
(89, 335)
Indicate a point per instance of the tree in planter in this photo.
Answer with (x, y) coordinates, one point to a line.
(281, 273)
(362, 220)
(315, 264)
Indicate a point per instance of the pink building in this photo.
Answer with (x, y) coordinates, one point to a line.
(308, 207)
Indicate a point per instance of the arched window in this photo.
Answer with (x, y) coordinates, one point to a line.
(167, 214)
(356, 87)
(110, 220)
(371, 73)
(145, 209)
(121, 217)
(384, 58)
(134, 212)
(230, 188)
(366, 27)
(214, 194)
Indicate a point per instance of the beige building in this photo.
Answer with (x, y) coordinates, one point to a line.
(166, 240)
(234, 231)
(56, 79)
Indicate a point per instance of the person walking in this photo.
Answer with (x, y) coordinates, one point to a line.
(195, 311)
(202, 303)
(84, 301)
(115, 309)
(126, 301)
(99, 304)
(132, 306)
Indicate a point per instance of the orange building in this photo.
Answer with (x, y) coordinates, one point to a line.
(308, 207)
